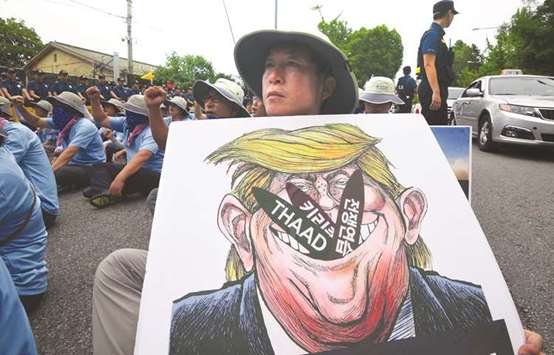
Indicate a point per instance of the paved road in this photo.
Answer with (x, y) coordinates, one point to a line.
(513, 196)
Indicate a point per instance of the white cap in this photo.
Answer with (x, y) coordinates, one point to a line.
(72, 100)
(380, 90)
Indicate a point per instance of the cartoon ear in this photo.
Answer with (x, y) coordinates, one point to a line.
(329, 87)
(233, 220)
(413, 207)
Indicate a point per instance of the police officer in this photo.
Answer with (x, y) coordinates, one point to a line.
(406, 89)
(434, 61)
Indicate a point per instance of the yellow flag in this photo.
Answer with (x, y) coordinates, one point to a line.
(148, 76)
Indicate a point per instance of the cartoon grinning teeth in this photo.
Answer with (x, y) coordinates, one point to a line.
(366, 231)
(284, 237)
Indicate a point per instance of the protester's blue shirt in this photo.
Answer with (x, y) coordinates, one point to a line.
(31, 157)
(431, 39)
(16, 336)
(84, 134)
(144, 141)
(24, 255)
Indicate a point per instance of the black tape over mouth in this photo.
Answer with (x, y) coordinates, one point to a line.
(309, 230)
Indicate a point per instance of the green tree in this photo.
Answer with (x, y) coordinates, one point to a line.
(376, 51)
(18, 43)
(467, 61)
(337, 31)
(185, 70)
(533, 30)
(525, 42)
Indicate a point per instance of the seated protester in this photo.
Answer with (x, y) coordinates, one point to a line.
(23, 235)
(79, 137)
(165, 111)
(113, 143)
(257, 109)
(141, 174)
(17, 337)
(31, 157)
(379, 95)
(177, 109)
(119, 92)
(112, 107)
(222, 99)
(47, 136)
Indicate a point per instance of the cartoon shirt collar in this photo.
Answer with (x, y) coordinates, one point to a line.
(282, 344)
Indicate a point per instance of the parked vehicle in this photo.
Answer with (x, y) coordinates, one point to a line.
(453, 94)
(509, 109)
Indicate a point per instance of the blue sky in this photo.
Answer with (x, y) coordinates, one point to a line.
(454, 142)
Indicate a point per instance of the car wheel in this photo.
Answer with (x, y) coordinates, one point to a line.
(485, 135)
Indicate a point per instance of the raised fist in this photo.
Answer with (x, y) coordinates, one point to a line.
(154, 97)
(93, 92)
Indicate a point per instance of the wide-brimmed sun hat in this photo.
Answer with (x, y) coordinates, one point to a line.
(43, 105)
(114, 102)
(5, 106)
(252, 49)
(71, 100)
(136, 104)
(380, 90)
(230, 90)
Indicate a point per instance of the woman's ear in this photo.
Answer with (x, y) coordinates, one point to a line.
(233, 221)
(413, 206)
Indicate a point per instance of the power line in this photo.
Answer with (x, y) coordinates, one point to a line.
(229, 22)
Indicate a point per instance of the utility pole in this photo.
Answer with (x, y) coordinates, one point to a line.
(275, 14)
(130, 35)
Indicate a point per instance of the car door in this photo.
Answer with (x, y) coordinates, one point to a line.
(472, 109)
(460, 109)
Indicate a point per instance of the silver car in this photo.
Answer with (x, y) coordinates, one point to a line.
(516, 109)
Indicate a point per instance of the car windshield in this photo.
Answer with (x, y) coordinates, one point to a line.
(536, 86)
(454, 93)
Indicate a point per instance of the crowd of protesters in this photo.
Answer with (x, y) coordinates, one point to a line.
(108, 141)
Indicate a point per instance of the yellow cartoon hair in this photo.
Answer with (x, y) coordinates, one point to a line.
(258, 156)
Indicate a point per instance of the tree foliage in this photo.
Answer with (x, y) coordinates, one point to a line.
(18, 43)
(526, 42)
(467, 61)
(185, 70)
(376, 51)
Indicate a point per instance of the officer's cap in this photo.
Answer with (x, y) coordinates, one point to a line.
(442, 7)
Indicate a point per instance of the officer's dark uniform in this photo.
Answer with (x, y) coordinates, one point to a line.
(432, 42)
(40, 88)
(406, 87)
